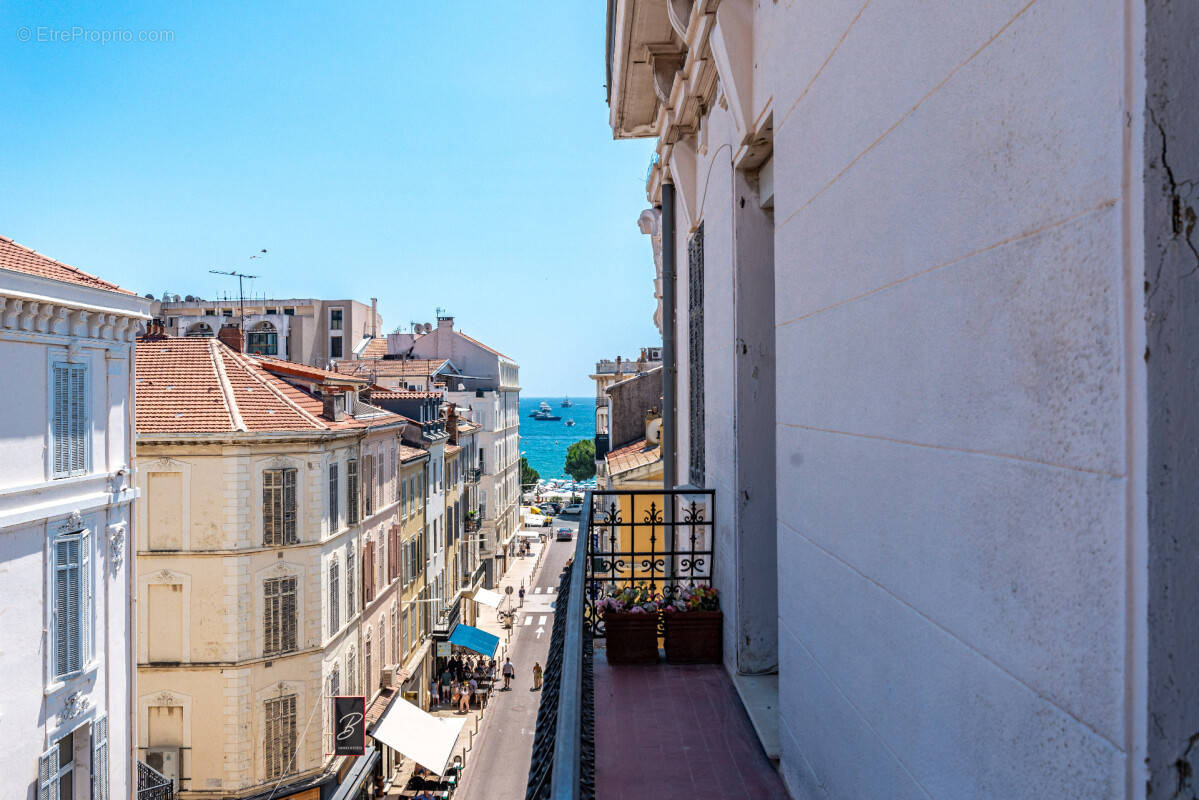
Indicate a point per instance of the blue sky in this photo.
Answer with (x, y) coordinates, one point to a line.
(452, 154)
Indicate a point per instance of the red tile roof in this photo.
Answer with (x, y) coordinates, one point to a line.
(452, 449)
(391, 368)
(19, 258)
(314, 374)
(203, 386)
(480, 344)
(411, 453)
(632, 455)
(376, 348)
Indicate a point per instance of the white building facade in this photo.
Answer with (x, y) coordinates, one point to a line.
(488, 385)
(66, 514)
(926, 275)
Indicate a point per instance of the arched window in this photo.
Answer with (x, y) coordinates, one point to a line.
(351, 671)
(367, 678)
(263, 340)
(382, 640)
(199, 330)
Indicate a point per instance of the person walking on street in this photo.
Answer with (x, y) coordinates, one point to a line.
(509, 673)
(521, 593)
(434, 696)
(536, 675)
(464, 698)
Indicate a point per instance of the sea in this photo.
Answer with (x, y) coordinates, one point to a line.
(544, 443)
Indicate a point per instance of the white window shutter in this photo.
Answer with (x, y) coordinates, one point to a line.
(78, 432)
(47, 775)
(86, 603)
(100, 759)
(59, 419)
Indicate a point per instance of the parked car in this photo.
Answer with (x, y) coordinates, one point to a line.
(547, 522)
(551, 508)
(564, 534)
(573, 510)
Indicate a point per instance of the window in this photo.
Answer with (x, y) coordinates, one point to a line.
(695, 352)
(407, 623)
(278, 507)
(381, 483)
(404, 498)
(351, 672)
(210, 312)
(334, 594)
(100, 759)
(68, 422)
(368, 493)
(335, 348)
(226, 312)
(395, 634)
(352, 491)
(335, 319)
(289, 312)
(279, 617)
(279, 735)
(72, 602)
(263, 339)
(56, 770)
(334, 511)
(382, 640)
(351, 608)
(368, 571)
(366, 661)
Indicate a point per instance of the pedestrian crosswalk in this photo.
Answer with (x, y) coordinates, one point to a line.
(540, 616)
(547, 589)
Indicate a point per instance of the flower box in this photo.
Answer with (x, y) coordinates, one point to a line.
(694, 637)
(632, 638)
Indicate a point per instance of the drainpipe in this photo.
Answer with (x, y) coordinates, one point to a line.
(669, 371)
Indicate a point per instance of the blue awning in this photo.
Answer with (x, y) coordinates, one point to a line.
(475, 639)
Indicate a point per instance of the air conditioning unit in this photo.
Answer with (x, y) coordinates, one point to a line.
(167, 761)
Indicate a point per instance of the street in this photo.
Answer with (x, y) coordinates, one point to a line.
(498, 766)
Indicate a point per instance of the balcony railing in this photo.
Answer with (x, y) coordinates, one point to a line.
(663, 540)
(472, 474)
(152, 784)
(472, 523)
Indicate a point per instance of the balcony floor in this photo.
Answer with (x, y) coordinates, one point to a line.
(675, 732)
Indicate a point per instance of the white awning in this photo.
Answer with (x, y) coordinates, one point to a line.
(426, 739)
(488, 597)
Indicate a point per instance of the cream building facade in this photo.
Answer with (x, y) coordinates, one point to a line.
(260, 498)
(68, 507)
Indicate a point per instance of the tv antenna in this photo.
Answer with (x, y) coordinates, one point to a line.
(241, 294)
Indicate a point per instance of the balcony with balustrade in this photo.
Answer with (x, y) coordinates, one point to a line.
(152, 784)
(658, 730)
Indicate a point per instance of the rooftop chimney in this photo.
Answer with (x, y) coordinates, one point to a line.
(444, 321)
(230, 336)
(374, 317)
(334, 407)
(451, 422)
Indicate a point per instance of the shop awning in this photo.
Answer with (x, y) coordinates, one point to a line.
(358, 774)
(488, 598)
(426, 739)
(474, 639)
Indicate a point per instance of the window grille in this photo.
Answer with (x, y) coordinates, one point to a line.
(695, 353)
(100, 759)
(279, 622)
(279, 507)
(279, 737)
(68, 423)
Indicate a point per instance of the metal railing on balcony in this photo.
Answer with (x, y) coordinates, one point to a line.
(152, 784)
(663, 540)
(472, 474)
(472, 523)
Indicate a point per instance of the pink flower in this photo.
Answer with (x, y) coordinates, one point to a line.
(636, 610)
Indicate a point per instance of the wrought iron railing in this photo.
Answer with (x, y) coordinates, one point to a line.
(473, 474)
(663, 540)
(472, 524)
(659, 540)
(152, 784)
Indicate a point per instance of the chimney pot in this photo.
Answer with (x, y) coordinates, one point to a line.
(230, 336)
(334, 407)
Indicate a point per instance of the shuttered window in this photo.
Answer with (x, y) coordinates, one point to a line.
(279, 619)
(48, 776)
(366, 661)
(72, 602)
(279, 737)
(351, 672)
(368, 572)
(695, 353)
(334, 598)
(351, 605)
(68, 419)
(279, 507)
(335, 682)
(352, 491)
(395, 635)
(334, 512)
(100, 759)
(368, 490)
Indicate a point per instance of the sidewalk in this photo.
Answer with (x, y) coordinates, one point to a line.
(521, 571)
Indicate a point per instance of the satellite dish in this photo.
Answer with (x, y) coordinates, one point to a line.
(176, 298)
(189, 298)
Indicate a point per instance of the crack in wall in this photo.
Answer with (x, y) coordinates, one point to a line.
(1182, 218)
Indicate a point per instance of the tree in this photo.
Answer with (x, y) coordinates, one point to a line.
(580, 460)
(528, 475)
